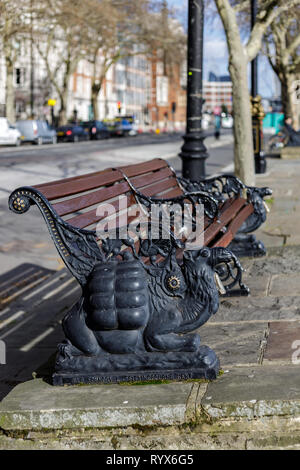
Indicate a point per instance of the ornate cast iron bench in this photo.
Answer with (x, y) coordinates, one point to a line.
(227, 188)
(141, 297)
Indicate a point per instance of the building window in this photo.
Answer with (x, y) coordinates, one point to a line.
(162, 92)
(20, 107)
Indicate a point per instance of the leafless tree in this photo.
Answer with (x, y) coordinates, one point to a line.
(239, 56)
(282, 47)
(14, 23)
(118, 29)
(59, 38)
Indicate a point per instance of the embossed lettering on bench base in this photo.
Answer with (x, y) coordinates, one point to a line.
(201, 364)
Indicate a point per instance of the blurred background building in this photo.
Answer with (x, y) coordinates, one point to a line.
(217, 92)
(135, 86)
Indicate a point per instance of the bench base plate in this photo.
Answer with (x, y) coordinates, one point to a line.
(145, 366)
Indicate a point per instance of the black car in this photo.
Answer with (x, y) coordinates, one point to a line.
(71, 133)
(97, 129)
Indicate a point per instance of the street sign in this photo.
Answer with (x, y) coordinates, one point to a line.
(51, 102)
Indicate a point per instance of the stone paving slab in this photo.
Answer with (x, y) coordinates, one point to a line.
(37, 405)
(255, 392)
(235, 343)
(270, 239)
(285, 285)
(283, 342)
(258, 309)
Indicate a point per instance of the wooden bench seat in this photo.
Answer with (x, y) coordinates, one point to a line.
(76, 200)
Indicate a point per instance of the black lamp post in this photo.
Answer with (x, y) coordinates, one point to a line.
(193, 152)
(257, 108)
(254, 61)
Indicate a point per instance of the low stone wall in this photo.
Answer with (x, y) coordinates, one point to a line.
(290, 153)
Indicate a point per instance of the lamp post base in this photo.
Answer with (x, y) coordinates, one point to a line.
(193, 154)
(257, 117)
(260, 163)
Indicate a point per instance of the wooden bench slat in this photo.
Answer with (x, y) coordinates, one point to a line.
(240, 218)
(173, 193)
(226, 215)
(70, 179)
(71, 186)
(234, 226)
(81, 185)
(156, 189)
(86, 200)
(140, 168)
(91, 217)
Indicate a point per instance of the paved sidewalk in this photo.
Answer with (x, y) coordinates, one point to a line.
(254, 404)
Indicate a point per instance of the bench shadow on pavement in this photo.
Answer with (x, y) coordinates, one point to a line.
(33, 301)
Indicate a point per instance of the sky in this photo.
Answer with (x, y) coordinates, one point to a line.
(216, 53)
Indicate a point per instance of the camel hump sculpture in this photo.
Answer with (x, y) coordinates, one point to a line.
(136, 320)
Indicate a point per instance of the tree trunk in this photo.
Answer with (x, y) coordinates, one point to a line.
(62, 114)
(243, 141)
(9, 90)
(287, 94)
(95, 90)
(64, 95)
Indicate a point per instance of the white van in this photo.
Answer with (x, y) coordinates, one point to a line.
(36, 131)
(9, 135)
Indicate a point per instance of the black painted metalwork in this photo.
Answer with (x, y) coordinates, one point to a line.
(255, 60)
(135, 320)
(257, 114)
(78, 248)
(138, 318)
(193, 152)
(225, 186)
(220, 187)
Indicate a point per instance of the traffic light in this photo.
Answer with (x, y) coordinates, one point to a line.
(173, 107)
(119, 104)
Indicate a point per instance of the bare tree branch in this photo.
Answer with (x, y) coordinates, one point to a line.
(265, 18)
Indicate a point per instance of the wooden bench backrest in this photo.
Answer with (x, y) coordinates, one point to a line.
(76, 199)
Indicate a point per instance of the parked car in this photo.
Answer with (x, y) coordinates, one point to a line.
(72, 133)
(123, 127)
(9, 135)
(97, 129)
(36, 131)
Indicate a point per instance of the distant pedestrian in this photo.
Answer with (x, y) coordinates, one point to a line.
(217, 114)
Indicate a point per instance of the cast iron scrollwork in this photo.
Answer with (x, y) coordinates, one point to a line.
(197, 196)
(219, 187)
(229, 186)
(78, 248)
(230, 274)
